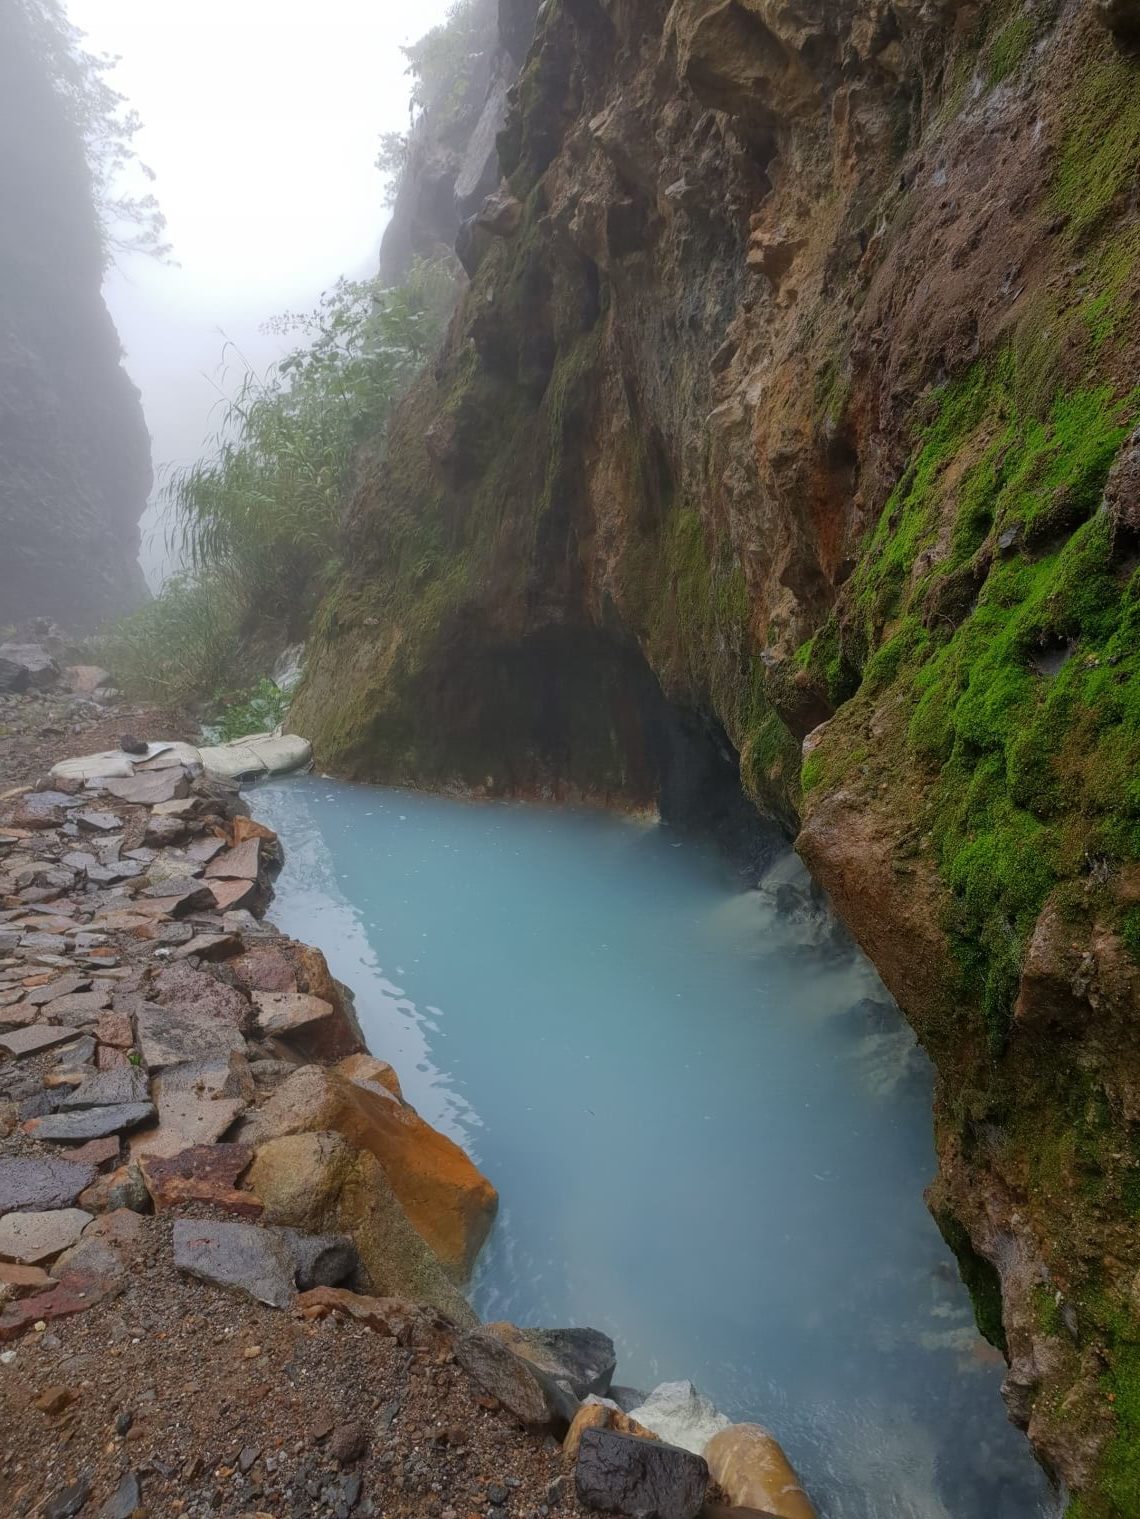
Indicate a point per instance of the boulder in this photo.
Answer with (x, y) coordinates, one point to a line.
(535, 1399)
(677, 1412)
(13, 677)
(582, 1358)
(600, 1413)
(447, 1199)
(319, 1183)
(623, 1474)
(38, 665)
(749, 1466)
(320, 1260)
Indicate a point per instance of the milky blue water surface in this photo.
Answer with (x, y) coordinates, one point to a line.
(709, 1129)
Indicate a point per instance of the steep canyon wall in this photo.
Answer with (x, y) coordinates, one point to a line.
(792, 406)
(74, 452)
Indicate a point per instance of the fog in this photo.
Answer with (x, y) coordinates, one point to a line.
(261, 121)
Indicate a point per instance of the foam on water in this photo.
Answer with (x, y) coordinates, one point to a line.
(709, 1129)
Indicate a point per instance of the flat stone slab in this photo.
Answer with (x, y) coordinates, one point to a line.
(241, 863)
(80, 1007)
(283, 1013)
(230, 894)
(174, 1035)
(185, 1119)
(38, 1036)
(34, 1185)
(208, 947)
(124, 1085)
(253, 1261)
(74, 1293)
(203, 1173)
(90, 1123)
(98, 820)
(148, 787)
(178, 897)
(29, 1238)
(62, 986)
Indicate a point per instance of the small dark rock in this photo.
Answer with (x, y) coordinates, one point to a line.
(347, 1442)
(645, 1479)
(124, 1501)
(68, 1501)
(129, 744)
(123, 1421)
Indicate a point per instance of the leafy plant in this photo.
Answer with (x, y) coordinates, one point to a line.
(258, 710)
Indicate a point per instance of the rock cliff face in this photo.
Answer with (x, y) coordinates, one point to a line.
(792, 409)
(74, 452)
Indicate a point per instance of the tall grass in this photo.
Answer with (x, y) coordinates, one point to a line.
(254, 521)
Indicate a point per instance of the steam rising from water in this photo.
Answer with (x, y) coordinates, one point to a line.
(709, 1127)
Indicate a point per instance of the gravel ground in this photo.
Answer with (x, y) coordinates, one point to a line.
(223, 1407)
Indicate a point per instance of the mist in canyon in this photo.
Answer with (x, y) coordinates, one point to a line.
(261, 123)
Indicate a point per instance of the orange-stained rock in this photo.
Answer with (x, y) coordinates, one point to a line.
(748, 1464)
(319, 1183)
(366, 1070)
(242, 829)
(406, 1322)
(600, 1413)
(449, 1202)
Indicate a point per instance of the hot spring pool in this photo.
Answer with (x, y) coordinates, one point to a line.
(709, 1128)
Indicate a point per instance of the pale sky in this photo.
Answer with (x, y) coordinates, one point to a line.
(261, 121)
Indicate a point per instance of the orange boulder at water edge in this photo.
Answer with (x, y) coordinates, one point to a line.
(748, 1464)
(448, 1201)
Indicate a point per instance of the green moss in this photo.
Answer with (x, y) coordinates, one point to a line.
(1047, 1310)
(1102, 142)
(981, 1278)
(1006, 51)
(1029, 771)
(1130, 932)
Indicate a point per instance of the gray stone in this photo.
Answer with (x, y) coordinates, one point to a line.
(35, 1184)
(96, 820)
(123, 1502)
(253, 1261)
(28, 1041)
(185, 985)
(79, 1007)
(534, 1398)
(126, 1085)
(320, 1260)
(280, 1014)
(34, 659)
(68, 1501)
(622, 1474)
(181, 896)
(91, 1123)
(13, 677)
(62, 986)
(29, 1238)
(175, 1035)
(584, 1359)
(161, 831)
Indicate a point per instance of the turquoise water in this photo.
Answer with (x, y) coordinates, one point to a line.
(709, 1128)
